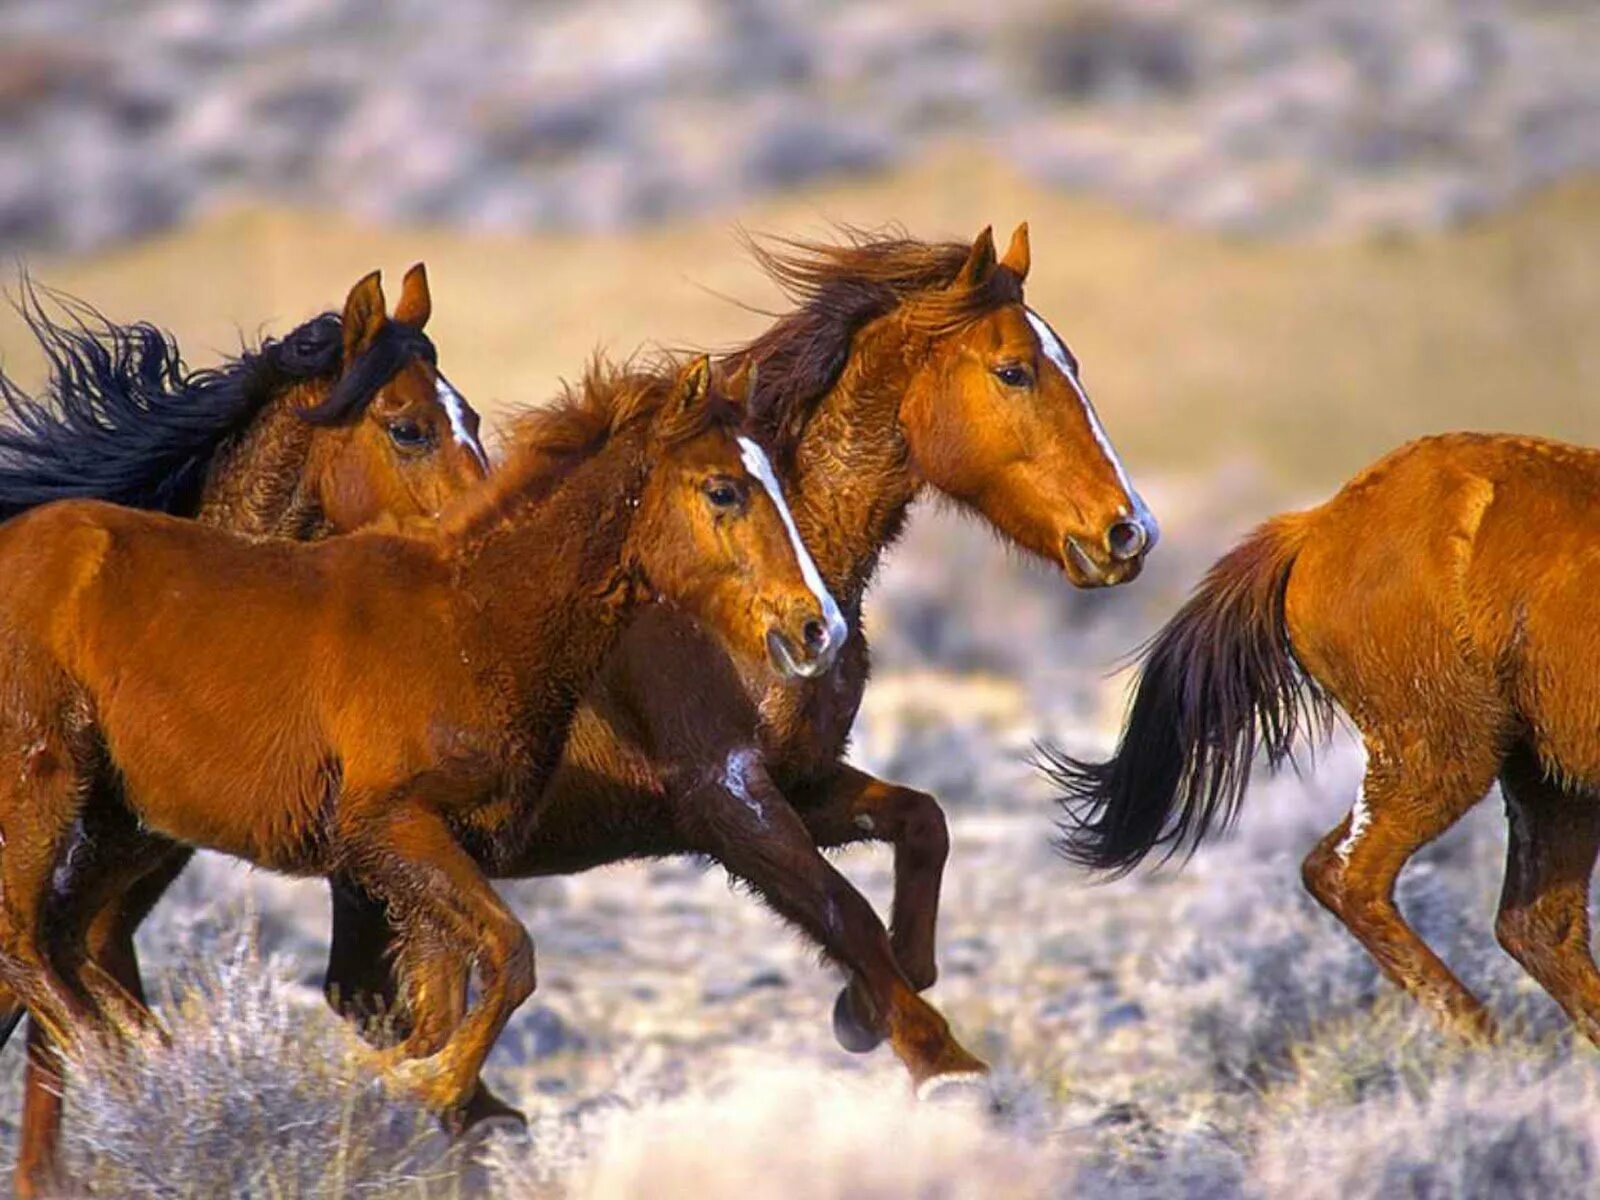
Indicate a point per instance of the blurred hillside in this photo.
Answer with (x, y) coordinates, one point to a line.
(1257, 116)
(1307, 357)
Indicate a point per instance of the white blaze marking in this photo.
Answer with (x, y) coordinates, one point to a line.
(1057, 354)
(456, 409)
(736, 773)
(756, 462)
(1360, 819)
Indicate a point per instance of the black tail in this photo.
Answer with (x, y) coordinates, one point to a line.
(1217, 683)
(122, 419)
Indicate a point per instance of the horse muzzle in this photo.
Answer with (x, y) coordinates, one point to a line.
(811, 651)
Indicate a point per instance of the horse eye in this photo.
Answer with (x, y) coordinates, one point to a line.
(408, 435)
(1013, 375)
(723, 493)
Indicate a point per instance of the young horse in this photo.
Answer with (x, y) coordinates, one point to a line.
(1439, 600)
(907, 367)
(342, 421)
(372, 704)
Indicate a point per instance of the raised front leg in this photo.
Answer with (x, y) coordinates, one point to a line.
(743, 821)
(405, 854)
(362, 982)
(852, 806)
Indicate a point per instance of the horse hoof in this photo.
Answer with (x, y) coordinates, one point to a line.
(853, 1033)
(488, 1111)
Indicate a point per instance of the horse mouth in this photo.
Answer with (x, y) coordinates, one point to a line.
(1085, 572)
(791, 665)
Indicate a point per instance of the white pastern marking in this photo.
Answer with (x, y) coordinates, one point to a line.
(1360, 819)
(971, 1085)
(456, 409)
(737, 770)
(1056, 352)
(756, 462)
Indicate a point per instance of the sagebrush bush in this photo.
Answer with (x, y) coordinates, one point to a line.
(261, 1092)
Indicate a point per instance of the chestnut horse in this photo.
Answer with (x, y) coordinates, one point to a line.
(906, 367)
(369, 705)
(343, 421)
(1460, 652)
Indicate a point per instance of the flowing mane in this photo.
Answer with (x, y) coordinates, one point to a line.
(122, 418)
(544, 442)
(837, 288)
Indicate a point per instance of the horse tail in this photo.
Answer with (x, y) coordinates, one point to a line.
(1218, 682)
(121, 418)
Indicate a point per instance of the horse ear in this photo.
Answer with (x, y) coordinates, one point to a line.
(1017, 257)
(739, 384)
(363, 315)
(980, 260)
(694, 384)
(415, 305)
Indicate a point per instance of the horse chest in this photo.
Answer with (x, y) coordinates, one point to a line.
(806, 725)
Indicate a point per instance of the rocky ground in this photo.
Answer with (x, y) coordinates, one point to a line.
(1245, 115)
(1199, 1033)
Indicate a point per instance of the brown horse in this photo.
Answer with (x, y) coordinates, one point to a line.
(1439, 600)
(343, 421)
(370, 705)
(907, 367)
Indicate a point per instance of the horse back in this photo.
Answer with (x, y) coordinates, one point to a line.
(235, 684)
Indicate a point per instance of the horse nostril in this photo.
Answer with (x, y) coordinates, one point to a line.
(1126, 540)
(815, 635)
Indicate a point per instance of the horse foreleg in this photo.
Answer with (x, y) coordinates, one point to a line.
(407, 855)
(361, 984)
(852, 806)
(1544, 907)
(745, 823)
(1352, 872)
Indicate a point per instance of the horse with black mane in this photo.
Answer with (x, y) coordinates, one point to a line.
(343, 421)
(384, 706)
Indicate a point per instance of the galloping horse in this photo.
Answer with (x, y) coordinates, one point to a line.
(907, 366)
(339, 423)
(369, 705)
(1441, 599)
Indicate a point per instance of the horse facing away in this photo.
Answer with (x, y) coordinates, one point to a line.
(1441, 599)
(372, 703)
(906, 367)
(342, 421)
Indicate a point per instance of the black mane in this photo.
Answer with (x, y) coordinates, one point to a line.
(123, 419)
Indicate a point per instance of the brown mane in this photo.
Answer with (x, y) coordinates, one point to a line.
(838, 288)
(543, 443)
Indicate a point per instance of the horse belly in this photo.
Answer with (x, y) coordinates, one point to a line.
(248, 783)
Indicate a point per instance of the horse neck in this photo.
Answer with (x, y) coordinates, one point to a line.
(550, 582)
(258, 485)
(850, 481)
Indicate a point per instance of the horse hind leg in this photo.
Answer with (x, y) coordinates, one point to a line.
(1403, 806)
(1543, 920)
